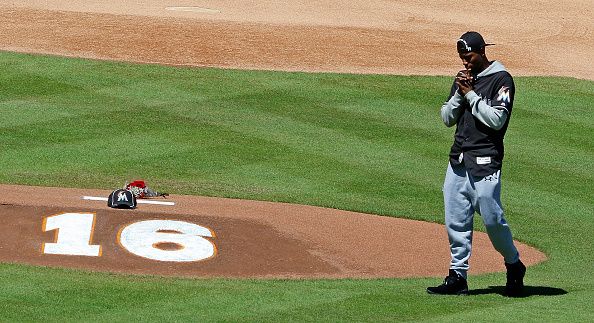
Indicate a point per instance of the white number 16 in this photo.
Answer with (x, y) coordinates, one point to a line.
(161, 240)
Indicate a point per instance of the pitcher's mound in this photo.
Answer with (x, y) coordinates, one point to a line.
(216, 237)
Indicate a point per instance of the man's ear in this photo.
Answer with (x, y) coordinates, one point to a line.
(482, 52)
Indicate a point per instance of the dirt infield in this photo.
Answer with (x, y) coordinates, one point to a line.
(376, 36)
(262, 239)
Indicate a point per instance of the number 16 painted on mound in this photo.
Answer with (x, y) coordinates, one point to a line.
(75, 231)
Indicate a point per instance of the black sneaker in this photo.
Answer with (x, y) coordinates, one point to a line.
(515, 279)
(453, 284)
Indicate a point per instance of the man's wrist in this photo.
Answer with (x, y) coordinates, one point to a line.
(470, 95)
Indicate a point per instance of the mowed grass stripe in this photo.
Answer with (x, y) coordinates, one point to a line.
(368, 143)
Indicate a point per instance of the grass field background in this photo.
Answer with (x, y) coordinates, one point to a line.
(367, 143)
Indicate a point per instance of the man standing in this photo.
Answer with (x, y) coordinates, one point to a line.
(480, 105)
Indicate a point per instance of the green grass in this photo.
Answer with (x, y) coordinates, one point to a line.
(367, 143)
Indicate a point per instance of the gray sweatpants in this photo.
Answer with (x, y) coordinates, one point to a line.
(463, 195)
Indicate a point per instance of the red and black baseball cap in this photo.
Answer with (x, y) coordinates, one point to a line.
(471, 41)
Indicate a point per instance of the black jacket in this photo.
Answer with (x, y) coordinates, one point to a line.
(481, 118)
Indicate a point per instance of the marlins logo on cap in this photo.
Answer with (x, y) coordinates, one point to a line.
(471, 42)
(121, 199)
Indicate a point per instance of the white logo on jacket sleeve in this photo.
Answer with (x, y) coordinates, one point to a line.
(503, 95)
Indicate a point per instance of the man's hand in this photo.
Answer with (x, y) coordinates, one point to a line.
(464, 81)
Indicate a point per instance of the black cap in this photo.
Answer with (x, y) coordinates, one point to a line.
(121, 199)
(471, 41)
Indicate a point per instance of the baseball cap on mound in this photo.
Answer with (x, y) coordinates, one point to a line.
(471, 41)
(121, 199)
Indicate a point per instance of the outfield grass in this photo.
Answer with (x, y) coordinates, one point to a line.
(367, 143)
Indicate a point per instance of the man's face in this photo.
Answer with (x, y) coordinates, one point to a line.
(472, 61)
